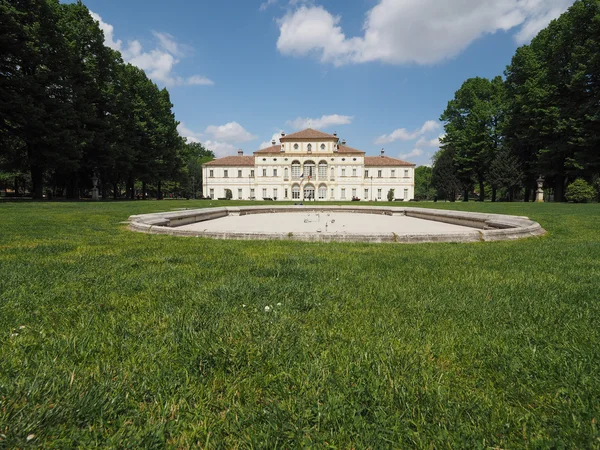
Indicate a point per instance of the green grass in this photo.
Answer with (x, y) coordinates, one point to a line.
(135, 340)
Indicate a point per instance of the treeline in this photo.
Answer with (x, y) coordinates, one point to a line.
(542, 119)
(71, 108)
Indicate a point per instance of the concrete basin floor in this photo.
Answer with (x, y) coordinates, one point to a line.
(326, 222)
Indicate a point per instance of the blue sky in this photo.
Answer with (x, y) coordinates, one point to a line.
(379, 72)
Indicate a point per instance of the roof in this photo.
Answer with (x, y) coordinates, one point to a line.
(346, 149)
(309, 133)
(233, 161)
(379, 161)
(273, 149)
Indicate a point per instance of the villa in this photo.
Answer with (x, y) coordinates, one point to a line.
(309, 165)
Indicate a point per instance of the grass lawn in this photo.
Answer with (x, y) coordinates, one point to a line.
(118, 339)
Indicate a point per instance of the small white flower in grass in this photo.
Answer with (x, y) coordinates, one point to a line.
(22, 327)
(278, 304)
(243, 306)
(30, 437)
(12, 335)
(267, 308)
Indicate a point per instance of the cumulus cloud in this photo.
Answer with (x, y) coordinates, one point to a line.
(412, 31)
(190, 135)
(424, 142)
(269, 143)
(221, 149)
(230, 132)
(416, 152)
(322, 122)
(159, 62)
(402, 134)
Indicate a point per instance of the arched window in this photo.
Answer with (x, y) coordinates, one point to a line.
(296, 169)
(295, 192)
(309, 169)
(295, 146)
(323, 169)
(322, 146)
(322, 192)
(333, 172)
(286, 173)
(309, 147)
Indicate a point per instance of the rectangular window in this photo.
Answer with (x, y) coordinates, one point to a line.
(211, 173)
(252, 173)
(286, 193)
(333, 193)
(296, 193)
(264, 172)
(212, 194)
(274, 193)
(366, 174)
(296, 170)
(393, 173)
(343, 193)
(252, 193)
(322, 171)
(378, 194)
(366, 194)
(225, 174)
(406, 173)
(406, 194)
(343, 172)
(353, 193)
(239, 194)
(379, 173)
(353, 172)
(274, 172)
(264, 193)
(239, 174)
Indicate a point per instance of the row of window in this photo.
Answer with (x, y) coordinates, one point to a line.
(309, 193)
(309, 171)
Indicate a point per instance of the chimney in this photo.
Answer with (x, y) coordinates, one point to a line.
(282, 134)
(382, 153)
(335, 133)
(273, 142)
(240, 152)
(343, 141)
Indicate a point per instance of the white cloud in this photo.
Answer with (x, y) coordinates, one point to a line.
(322, 122)
(221, 149)
(230, 132)
(185, 132)
(402, 134)
(424, 142)
(412, 31)
(416, 152)
(267, 144)
(159, 62)
(266, 4)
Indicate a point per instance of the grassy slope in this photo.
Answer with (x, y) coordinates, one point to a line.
(138, 340)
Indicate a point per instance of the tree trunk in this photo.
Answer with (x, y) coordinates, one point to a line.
(494, 192)
(129, 189)
(16, 185)
(481, 191)
(116, 191)
(466, 195)
(73, 187)
(143, 190)
(527, 194)
(37, 180)
(159, 195)
(559, 189)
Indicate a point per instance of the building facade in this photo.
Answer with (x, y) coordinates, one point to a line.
(309, 165)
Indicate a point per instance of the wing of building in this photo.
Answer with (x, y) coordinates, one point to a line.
(309, 165)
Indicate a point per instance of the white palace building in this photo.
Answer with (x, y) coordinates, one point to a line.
(309, 165)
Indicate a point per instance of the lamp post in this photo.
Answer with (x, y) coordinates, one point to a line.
(194, 187)
(95, 180)
(249, 186)
(371, 187)
(539, 195)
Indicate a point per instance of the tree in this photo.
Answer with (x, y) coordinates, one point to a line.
(228, 194)
(424, 189)
(444, 176)
(580, 191)
(473, 125)
(505, 172)
(390, 195)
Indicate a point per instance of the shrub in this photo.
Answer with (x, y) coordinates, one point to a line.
(228, 194)
(390, 195)
(580, 191)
